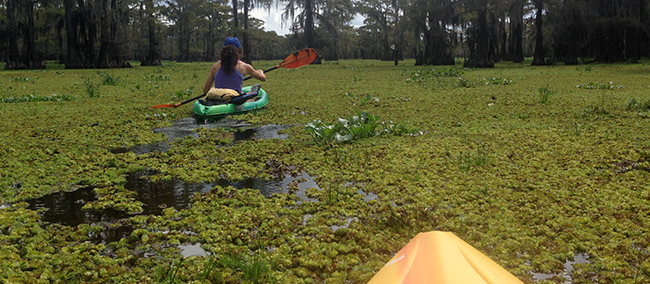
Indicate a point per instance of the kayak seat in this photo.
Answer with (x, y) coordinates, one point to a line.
(255, 89)
(209, 102)
(243, 98)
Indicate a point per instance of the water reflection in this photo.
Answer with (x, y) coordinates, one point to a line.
(568, 267)
(158, 195)
(186, 126)
(269, 187)
(347, 224)
(188, 250)
(112, 232)
(262, 132)
(367, 196)
(65, 208)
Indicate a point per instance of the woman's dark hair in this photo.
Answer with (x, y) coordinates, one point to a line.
(229, 57)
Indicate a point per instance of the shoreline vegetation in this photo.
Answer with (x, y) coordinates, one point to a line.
(535, 167)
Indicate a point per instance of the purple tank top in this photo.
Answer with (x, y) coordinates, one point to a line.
(232, 81)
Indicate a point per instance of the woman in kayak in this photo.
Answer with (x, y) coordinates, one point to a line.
(227, 75)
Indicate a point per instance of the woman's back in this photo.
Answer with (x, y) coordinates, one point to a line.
(234, 81)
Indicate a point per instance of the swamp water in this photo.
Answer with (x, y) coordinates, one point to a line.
(568, 267)
(65, 208)
(186, 126)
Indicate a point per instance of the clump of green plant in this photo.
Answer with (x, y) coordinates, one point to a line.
(466, 83)
(494, 81)
(634, 105)
(361, 101)
(544, 94)
(33, 98)
(156, 78)
(22, 79)
(108, 79)
(424, 75)
(161, 116)
(599, 86)
(363, 125)
(355, 69)
(586, 67)
(472, 159)
(169, 275)
(256, 267)
(595, 110)
(92, 90)
(182, 95)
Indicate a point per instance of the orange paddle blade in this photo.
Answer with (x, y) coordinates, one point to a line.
(299, 58)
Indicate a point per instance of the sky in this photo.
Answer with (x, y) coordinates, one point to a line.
(273, 20)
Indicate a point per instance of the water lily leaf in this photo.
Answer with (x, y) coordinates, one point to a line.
(344, 138)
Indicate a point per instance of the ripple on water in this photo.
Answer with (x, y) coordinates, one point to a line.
(185, 127)
(188, 250)
(568, 267)
(347, 224)
(65, 208)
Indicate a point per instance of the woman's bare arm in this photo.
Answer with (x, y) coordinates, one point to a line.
(257, 74)
(209, 82)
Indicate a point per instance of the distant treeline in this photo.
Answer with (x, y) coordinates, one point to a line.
(109, 33)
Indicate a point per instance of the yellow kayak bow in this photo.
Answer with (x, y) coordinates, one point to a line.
(441, 258)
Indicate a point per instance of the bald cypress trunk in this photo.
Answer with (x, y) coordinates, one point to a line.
(31, 60)
(104, 40)
(436, 48)
(481, 51)
(13, 61)
(309, 23)
(246, 44)
(235, 19)
(538, 58)
(73, 57)
(515, 43)
(153, 53)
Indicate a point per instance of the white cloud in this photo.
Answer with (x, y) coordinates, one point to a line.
(273, 20)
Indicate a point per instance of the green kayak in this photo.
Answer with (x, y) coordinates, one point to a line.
(211, 110)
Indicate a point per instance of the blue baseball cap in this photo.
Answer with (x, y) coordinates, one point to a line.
(232, 41)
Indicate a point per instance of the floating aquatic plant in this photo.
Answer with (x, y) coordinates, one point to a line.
(466, 83)
(363, 100)
(182, 95)
(92, 90)
(634, 105)
(549, 184)
(33, 98)
(363, 125)
(109, 79)
(544, 94)
(599, 86)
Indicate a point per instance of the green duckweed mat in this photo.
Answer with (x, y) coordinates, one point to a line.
(530, 165)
